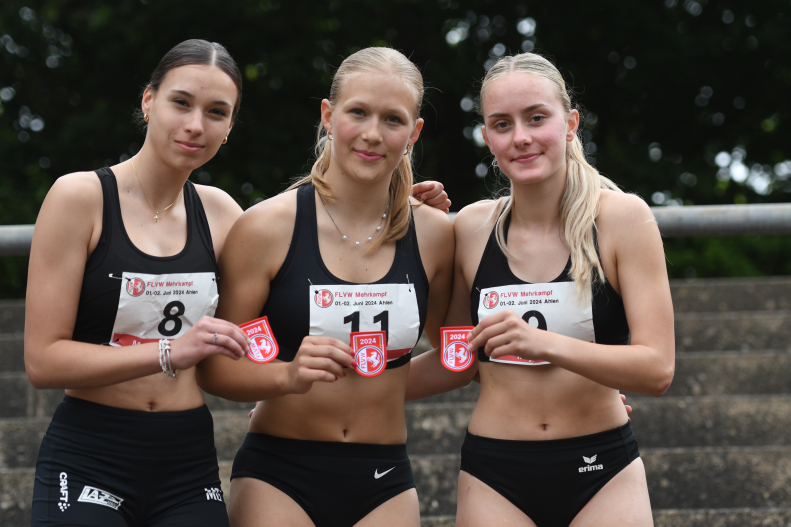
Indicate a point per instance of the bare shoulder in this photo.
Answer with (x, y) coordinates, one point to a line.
(79, 188)
(216, 201)
(622, 212)
(270, 220)
(477, 218)
(432, 221)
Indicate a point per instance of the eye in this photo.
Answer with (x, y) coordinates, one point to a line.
(537, 118)
(501, 125)
(180, 102)
(394, 119)
(357, 111)
(219, 112)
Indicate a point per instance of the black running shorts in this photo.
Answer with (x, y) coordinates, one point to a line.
(550, 481)
(101, 466)
(336, 484)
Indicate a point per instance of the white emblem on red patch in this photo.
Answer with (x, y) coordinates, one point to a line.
(490, 300)
(369, 352)
(135, 287)
(263, 346)
(456, 355)
(323, 298)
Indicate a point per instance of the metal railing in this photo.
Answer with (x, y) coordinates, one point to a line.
(697, 220)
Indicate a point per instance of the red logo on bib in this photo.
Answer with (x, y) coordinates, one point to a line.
(263, 346)
(456, 354)
(135, 287)
(323, 298)
(369, 352)
(490, 300)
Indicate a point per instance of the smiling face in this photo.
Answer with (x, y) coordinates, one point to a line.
(372, 123)
(190, 115)
(527, 127)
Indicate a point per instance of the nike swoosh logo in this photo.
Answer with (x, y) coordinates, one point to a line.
(377, 475)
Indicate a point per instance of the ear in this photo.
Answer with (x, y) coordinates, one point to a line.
(413, 137)
(326, 115)
(572, 125)
(148, 97)
(486, 139)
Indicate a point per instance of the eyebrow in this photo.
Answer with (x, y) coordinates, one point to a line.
(525, 110)
(188, 94)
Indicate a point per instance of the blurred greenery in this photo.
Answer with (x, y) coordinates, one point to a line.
(686, 100)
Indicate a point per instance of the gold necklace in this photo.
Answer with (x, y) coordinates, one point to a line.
(156, 212)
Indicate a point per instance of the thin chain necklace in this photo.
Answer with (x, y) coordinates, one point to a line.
(156, 212)
(378, 228)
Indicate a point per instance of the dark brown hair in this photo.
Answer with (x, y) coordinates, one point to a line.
(201, 53)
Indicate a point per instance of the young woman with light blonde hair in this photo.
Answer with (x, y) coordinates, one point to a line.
(549, 443)
(344, 250)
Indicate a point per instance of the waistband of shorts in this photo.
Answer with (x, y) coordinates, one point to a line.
(621, 434)
(82, 424)
(285, 445)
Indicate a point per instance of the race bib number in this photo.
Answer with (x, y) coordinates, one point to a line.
(456, 354)
(263, 346)
(154, 307)
(340, 310)
(552, 307)
(369, 354)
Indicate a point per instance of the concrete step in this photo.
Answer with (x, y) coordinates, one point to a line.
(733, 331)
(731, 294)
(761, 517)
(678, 479)
(439, 428)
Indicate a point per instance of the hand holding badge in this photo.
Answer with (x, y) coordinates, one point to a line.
(263, 346)
(456, 355)
(369, 352)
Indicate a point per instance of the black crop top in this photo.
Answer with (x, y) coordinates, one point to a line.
(306, 299)
(551, 306)
(128, 296)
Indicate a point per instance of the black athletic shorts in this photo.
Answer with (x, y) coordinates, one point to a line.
(336, 484)
(101, 466)
(550, 481)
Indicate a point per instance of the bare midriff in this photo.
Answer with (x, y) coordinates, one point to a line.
(353, 409)
(154, 393)
(535, 403)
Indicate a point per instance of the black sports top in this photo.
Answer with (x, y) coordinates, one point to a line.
(609, 318)
(176, 289)
(305, 298)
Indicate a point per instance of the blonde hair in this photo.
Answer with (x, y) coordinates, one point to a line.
(579, 206)
(372, 60)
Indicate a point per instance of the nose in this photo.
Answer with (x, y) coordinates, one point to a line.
(522, 135)
(372, 133)
(194, 123)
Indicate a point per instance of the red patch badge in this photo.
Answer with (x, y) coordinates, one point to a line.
(135, 287)
(263, 346)
(490, 300)
(456, 354)
(369, 352)
(323, 298)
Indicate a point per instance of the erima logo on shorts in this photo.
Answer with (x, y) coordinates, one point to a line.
(63, 502)
(213, 494)
(590, 467)
(99, 497)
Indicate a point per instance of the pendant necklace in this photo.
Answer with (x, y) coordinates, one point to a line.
(156, 212)
(378, 228)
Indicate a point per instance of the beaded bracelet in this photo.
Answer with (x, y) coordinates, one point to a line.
(164, 359)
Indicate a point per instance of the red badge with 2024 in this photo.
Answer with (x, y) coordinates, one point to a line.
(456, 354)
(263, 346)
(369, 352)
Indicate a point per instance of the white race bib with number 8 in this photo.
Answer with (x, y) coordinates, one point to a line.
(154, 307)
(552, 307)
(337, 310)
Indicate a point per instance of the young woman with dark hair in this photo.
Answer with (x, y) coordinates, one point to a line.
(132, 252)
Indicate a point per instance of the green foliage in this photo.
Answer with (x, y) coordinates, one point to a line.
(666, 86)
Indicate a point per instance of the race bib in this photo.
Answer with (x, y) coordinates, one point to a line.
(456, 354)
(552, 307)
(368, 348)
(263, 346)
(339, 310)
(154, 307)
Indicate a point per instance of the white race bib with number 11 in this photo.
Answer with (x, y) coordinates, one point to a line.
(552, 307)
(338, 310)
(154, 307)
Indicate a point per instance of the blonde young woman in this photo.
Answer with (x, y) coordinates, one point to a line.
(567, 252)
(343, 250)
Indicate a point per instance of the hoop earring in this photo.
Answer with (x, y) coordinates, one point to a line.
(225, 140)
(329, 136)
(408, 150)
(145, 117)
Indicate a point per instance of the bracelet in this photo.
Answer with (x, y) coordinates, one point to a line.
(164, 359)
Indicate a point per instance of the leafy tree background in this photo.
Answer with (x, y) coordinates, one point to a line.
(686, 101)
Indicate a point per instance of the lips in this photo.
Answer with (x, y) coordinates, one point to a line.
(526, 158)
(368, 156)
(189, 147)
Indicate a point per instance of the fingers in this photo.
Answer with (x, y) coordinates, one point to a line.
(228, 346)
(427, 189)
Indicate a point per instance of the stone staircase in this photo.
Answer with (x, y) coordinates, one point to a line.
(717, 447)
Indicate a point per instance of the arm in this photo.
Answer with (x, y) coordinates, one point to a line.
(628, 232)
(67, 230)
(254, 251)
